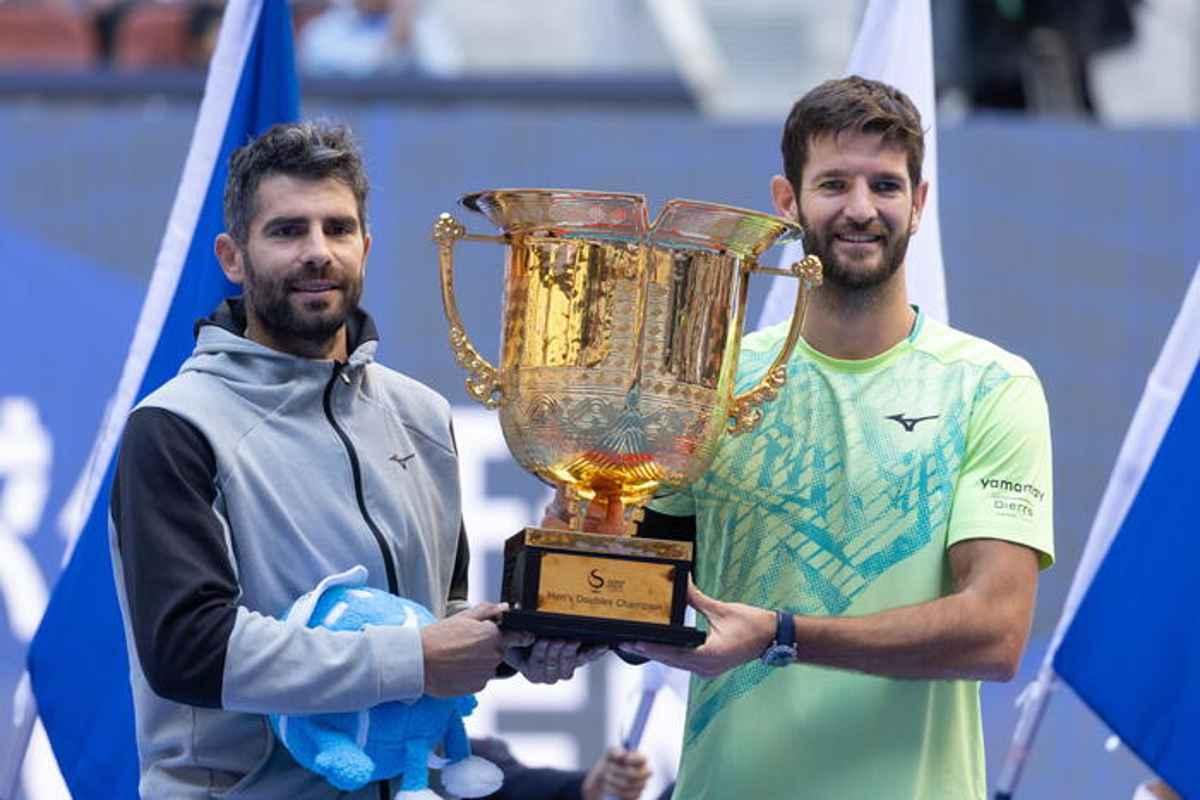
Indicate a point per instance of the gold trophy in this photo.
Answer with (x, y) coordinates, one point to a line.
(619, 349)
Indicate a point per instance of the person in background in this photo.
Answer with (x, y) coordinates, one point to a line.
(107, 17)
(1032, 56)
(618, 773)
(203, 25)
(363, 38)
(1155, 789)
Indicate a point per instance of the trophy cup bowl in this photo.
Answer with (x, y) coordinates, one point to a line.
(618, 355)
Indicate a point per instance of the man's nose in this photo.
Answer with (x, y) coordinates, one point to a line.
(316, 248)
(860, 206)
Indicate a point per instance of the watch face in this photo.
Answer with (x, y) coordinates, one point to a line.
(779, 655)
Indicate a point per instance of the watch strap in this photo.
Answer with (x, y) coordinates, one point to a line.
(785, 629)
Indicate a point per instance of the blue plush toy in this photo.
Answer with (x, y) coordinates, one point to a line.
(352, 749)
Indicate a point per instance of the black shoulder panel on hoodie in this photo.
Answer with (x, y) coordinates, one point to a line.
(462, 557)
(180, 583)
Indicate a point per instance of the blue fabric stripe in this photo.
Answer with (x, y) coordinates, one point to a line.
(77, 659)
(267, 93)
(1132, 652)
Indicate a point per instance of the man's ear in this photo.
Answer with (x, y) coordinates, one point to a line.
(784, 197)
(918, 206)
(230, 256)
(366, 252)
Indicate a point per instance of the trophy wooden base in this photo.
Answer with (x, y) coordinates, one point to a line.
(597, 588)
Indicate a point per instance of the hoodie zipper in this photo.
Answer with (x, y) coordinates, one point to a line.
(388, 562)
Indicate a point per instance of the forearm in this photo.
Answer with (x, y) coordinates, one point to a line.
(278, 667)
(960, 636)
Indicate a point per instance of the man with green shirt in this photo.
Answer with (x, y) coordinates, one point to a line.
(871, 551)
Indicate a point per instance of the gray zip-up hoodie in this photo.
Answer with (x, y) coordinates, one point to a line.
(241, 483)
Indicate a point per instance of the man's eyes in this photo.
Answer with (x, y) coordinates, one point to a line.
(887, 187)
(292, 231)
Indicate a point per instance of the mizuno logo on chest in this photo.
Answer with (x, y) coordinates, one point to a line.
(910, 423)
(402, 460)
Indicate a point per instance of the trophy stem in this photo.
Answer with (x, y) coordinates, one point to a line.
(622, 523)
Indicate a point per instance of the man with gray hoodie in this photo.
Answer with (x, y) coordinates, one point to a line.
(282, 453)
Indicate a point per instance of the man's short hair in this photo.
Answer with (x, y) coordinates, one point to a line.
(306, 150)
(857, 105)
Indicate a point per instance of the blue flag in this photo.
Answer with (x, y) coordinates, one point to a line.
(77, 660)
(1132, 649)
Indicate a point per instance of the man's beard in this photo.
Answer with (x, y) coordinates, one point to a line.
(837, 273)
(271, 301)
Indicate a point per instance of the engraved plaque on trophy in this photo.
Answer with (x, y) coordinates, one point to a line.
(618, 355)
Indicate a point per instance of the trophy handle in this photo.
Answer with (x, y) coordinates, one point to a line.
(483, 380)
(744, 412)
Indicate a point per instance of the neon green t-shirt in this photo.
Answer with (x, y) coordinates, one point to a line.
(844, 501)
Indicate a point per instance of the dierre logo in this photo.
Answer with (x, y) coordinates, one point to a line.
(595, 581)
(909, 423)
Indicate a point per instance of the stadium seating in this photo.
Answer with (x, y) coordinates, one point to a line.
(153, 35)
(39, 36)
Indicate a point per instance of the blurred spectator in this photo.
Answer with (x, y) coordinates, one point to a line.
(370, 37)
(106, 19)
(618, 773)
(1030, 55)
(203, 25)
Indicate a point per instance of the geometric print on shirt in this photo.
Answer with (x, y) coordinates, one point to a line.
(793, 530)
